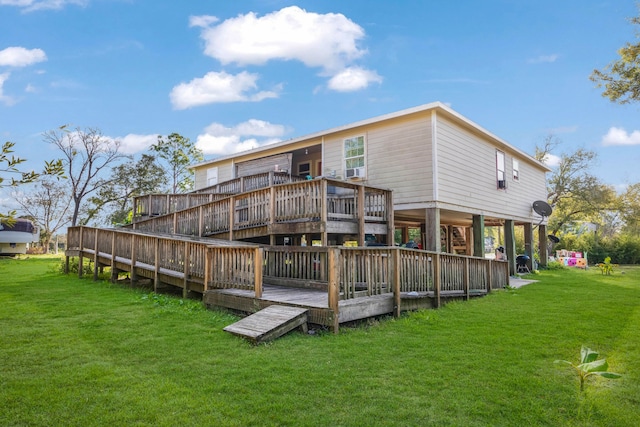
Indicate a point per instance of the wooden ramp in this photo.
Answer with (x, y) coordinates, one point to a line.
(269, 323)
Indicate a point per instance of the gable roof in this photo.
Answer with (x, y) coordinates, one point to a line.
(437, 106)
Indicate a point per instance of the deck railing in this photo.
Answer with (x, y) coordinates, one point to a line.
(311, 200)
(345, 273)
(151, 205)
(213, 267)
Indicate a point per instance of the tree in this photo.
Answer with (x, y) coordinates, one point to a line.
(621, 78)
(48, 205)
(630, 211)
(9, 164)
(572, 191)
(129, 180)
(179, 153)
(86, 155)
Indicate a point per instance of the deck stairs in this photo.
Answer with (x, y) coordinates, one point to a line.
(269, 323)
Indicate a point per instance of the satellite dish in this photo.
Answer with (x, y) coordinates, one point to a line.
(553, 239)
(542, 208)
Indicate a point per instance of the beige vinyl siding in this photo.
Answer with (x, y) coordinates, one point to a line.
(467, 174)
(398, 156)
(225, 173)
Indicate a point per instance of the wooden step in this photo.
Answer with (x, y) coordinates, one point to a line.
(269, 323)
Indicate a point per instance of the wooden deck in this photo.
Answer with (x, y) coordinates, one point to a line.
(336, 284)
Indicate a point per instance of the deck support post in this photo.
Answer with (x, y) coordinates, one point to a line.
(478, 235)
(528, 244)
(436, 279)
(490, 275)
(258, 257)
(334, 287)
(542, 243)
(66, 264)
(510, 245)
(134, 257)
(432, 230)
(397, 297)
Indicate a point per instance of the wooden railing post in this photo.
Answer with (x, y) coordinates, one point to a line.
(489, 275)
(95, 254)
(200, 221)
(80, 252)
(232, 208)
(156, 269)
(175, 223)
(324, 212)
(466, 278)
(134, 257)
(334, 286)
(185, 283)
(361, 213)
(207, 267)
(258, 257)
(395, 252)
(436, 279)
(114, 270)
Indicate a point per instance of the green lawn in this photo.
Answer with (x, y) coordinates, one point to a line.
(78, 353)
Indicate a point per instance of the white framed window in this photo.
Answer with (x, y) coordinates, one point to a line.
(516, 170)
(500, 175)
(354, 157)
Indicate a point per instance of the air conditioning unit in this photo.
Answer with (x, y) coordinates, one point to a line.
(355, 173)
(502, 184)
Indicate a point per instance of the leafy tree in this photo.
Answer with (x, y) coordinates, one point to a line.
(10, 164)
(86, 156)
(129, 180)
(178, 153)
(630, 210)
(48, 205)
(621, 78)
(572, 191)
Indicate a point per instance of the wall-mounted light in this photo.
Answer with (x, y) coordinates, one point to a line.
(306, 151)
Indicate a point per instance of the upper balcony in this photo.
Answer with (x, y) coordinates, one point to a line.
(321, 211)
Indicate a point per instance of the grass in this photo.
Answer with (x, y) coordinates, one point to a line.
(76, 353)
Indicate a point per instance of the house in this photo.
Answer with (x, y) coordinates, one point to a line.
(16, 237)
(450, 177)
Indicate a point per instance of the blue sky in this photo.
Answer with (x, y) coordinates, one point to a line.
(236, 74)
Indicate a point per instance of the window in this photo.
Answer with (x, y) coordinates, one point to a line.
(354, 157)
(516, 170)
(304, 169)
(502, 183)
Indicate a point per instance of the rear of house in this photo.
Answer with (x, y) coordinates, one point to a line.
(450, 177)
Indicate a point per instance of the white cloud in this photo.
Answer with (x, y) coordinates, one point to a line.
(544, 59)
(202, 21)
(218, 87)
(551, 160)
(352, 79)
(133, 143)
(619, 136)
(5, 99)
(316, 40)
(34, 5)
(218, 139)
(16, 56)
(30, 88)
(325, 41)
